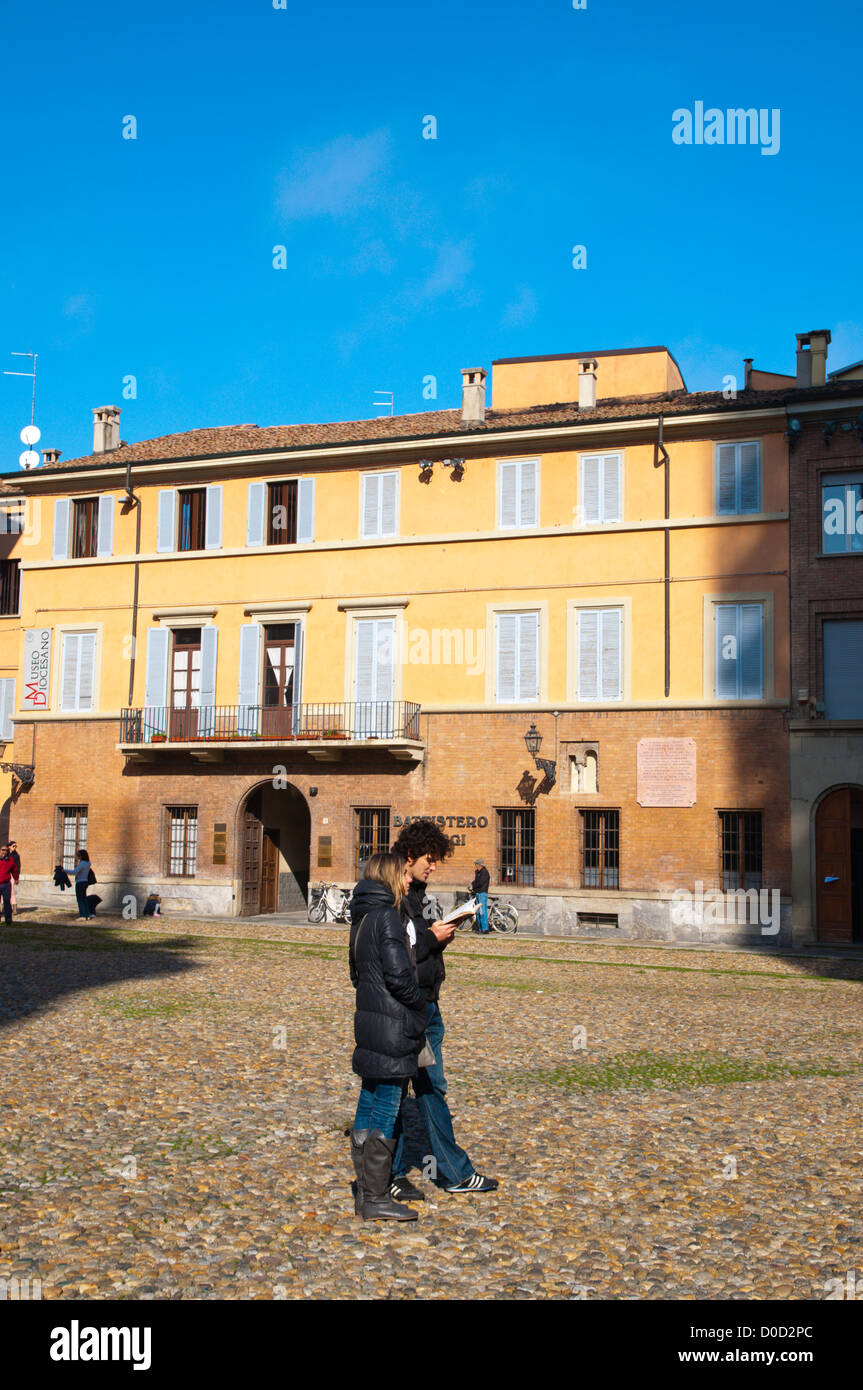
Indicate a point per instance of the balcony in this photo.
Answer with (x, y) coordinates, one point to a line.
(325, 732)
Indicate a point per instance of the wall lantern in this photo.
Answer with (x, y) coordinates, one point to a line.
(532, 740)
(793, 432)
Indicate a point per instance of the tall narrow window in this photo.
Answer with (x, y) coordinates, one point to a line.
(600, 849)
(741, 855)
(380, 504)
(738, 478)
(193, 519)
(600, 654)
(78, 663)
(517, 657)
(10, 586)
(71, 834)
(843, 668)
(182, 840)
(518, 487)
(374, 678)
(516, 831)
(739, 656)
(371, 835)
(185, 683)
(85, 528)
(282, 513)
(601, 487)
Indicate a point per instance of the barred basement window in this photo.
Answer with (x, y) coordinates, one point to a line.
(182, 840)
(71, 834)
(597, 919)
(741, 852)
(516, 834)
(85, 529)
(600, 849)
(371, 835)
(10, 586)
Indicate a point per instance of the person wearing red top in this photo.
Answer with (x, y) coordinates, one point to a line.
(8, 876)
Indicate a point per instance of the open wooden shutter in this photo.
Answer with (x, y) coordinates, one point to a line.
(213, 518)
(249, 680)
(167, 525)
(61, 529)
(105, 543)
(207, 696)
(156, 681)
(256, 531)
(305, 511)
(588, 654)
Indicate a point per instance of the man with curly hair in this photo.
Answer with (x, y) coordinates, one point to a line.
(423, 844)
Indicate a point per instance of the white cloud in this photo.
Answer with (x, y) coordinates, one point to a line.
(520, 310)
(337, 178)
(452, 266)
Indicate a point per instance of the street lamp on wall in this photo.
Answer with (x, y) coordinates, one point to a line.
(532, 741)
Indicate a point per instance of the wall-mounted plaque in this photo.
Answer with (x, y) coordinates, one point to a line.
(325, 851)
(666, 772)
(220, 843)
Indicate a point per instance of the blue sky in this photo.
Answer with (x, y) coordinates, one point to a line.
(407, 257)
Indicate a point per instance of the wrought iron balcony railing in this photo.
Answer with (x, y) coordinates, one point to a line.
(359, 721)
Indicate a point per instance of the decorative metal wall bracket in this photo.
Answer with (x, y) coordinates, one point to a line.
(25, 772)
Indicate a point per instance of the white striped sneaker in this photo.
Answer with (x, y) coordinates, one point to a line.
(475, 1183)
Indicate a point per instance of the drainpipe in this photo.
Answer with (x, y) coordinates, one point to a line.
(661, 459)
(134, 501)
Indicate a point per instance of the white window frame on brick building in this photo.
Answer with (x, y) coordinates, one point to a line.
(74, 817)
(518, 494)
(379, 504)
(187, 817)
(737, 478)
(600, 487)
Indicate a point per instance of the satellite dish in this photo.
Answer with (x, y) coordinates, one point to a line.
(29, 459)
(31, 434)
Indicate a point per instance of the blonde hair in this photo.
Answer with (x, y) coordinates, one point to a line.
(388, 869)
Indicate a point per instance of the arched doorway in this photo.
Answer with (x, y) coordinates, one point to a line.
(275, 836)
(839, 866)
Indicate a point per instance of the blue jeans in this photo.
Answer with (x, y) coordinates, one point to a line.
(482, 899)
(453, 1164)
(81, 891)
(379, 1105)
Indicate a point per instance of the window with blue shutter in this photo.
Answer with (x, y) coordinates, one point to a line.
(739, 651)
(738, 478)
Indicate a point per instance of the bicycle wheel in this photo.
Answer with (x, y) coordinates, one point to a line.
(503, 918)
(317, 910)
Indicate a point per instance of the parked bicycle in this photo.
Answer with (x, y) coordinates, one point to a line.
(502, 917)
(329, 903)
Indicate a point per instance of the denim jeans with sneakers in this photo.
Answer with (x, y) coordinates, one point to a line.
(453, 1164)
(379, 1105)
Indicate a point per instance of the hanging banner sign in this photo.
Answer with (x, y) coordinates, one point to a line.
(37, 668)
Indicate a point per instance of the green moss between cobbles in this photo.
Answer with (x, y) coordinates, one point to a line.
(674, 1071)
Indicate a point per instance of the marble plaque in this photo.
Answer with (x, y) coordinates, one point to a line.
(666, 772)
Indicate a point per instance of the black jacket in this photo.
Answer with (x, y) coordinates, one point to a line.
(431, 971)
(390, 1018)
(481, 880)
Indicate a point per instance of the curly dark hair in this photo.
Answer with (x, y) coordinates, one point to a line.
(421, 837)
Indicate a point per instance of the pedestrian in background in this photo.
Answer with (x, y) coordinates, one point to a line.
(13, 854)
(8, 876)
(479, 888)
(83, 872)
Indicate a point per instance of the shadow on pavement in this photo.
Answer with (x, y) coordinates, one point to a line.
(41, 963)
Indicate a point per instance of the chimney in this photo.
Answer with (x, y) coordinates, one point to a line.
(747, 372)
(812, 357)
(50, 456)
(106, 428)
(473, 395)
(587, 384)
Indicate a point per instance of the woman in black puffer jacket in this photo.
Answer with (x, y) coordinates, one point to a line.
(389, 1027)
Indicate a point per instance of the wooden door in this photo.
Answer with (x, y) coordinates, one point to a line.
(833, 867)
(251, 864)
(185, 683)
(270, 871)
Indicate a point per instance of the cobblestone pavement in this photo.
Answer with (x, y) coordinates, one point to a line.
(665, 1123)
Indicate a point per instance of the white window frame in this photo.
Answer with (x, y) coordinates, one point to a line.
(602, 520)
(77, 630)
(737, 444)
(518, 464)
(493, 611)
(623, 603)
(380, 535)
(352, 613)
(766, 598)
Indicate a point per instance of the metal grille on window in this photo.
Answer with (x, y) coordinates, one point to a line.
(516, 837)
(282, 516)
(741, 849)
(72, 833)
(183, 840)
(601, 849)
(372, 834)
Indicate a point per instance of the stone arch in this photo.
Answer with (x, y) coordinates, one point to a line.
(273, 839)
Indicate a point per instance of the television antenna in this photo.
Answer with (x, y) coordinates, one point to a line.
(31, 434)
